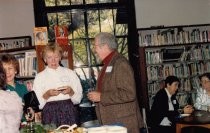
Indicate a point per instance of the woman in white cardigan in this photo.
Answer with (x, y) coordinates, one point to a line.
(203, 93)
(58, 89)
(11, 107)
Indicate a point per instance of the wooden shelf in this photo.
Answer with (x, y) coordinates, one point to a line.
(149, 46)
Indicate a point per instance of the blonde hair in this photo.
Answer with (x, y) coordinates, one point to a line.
(52, 47)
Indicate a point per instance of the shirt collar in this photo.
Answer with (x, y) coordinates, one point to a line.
(53, 70)
(168, 94)
(10, 86)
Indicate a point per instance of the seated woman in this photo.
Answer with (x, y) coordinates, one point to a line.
(165, 107)
(203, 93)
(202, 101)
(11, 107)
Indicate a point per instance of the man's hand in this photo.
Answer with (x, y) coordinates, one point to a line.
(188, 109)
(94, 96)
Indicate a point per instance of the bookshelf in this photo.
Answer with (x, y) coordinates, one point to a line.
(183, 51)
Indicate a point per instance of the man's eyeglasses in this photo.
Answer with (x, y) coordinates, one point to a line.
(95, 45)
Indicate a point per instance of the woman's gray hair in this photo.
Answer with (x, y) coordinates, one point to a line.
(107, 38)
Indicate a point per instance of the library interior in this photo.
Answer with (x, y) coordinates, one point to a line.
(105, 66)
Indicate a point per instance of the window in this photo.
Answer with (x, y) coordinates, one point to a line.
(84, 19)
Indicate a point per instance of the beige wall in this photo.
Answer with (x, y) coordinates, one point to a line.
(171, 12)
(16, 18)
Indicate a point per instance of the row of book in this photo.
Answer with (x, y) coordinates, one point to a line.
(194, 53)
(28, 64)
(181, 70)
(14, 43)
(173, 36)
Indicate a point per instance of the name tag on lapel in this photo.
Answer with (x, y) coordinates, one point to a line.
(174, 101)
(109, 69)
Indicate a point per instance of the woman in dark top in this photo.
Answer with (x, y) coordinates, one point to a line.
(165, 107)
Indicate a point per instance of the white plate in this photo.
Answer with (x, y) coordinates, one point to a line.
(85, 104)
(184, 115)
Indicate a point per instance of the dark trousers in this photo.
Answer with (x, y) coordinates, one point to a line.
(163, 129)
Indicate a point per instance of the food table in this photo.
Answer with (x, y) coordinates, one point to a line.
(39, 128)
(197, 119)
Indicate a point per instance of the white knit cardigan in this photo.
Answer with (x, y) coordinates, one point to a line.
(11, 110)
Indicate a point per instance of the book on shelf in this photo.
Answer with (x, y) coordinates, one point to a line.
(61, 35)
(208, 35)
(40, 35)
(175, 35)
(187, 86)
(1, 46)
(28, 63)
(21, 61)
(154, 57)
(182, 51)
(195, 83)
(184, 56)
(168, 70)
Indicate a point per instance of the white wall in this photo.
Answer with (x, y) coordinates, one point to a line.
(16, 18)
(171, 12)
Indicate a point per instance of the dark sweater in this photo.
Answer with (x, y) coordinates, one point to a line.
(160, 108)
